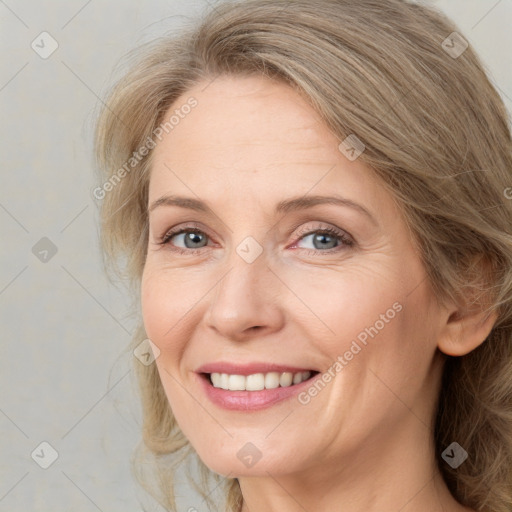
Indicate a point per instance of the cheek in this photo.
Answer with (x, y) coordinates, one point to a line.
(371, 322)
(351, 304)
(164, 301)
(172, 303)
(162, 307)
(397, 343)
(153, 305)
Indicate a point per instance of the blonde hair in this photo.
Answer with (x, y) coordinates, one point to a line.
(437, 134)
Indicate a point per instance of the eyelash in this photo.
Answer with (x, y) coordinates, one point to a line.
(340, 235)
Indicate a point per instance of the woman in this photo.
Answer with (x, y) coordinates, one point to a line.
(312, 197)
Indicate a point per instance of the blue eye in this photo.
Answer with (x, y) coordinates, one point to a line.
(190, 237)
(322, 239)
(195, 239)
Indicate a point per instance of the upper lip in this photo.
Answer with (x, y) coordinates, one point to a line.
(249, 368)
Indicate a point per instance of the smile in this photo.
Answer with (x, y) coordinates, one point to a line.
(257, 381)
(252, 387)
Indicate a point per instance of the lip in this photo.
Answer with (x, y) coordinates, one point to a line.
(249, 401)
(249, 368)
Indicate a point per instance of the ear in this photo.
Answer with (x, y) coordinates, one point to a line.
(465, 331)
(466, 327)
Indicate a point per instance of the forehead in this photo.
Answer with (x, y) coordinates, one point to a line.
(242, 113)
(255, 135)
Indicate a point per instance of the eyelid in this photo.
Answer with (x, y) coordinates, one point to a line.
(179, 228)
(308, 230)
(346, 239)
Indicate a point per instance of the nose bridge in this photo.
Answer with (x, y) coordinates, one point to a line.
(245, 297)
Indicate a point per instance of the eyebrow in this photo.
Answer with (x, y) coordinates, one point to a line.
(286, 206)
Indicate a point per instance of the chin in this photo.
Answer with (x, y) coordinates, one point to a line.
(248, 460)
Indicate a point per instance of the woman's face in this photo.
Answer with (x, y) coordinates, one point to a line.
(257, 291)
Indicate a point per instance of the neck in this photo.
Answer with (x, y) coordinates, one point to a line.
(394, 475)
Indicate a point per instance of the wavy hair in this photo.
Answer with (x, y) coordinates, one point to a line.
(437, 134)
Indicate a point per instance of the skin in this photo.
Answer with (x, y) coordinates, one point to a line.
(365, 440)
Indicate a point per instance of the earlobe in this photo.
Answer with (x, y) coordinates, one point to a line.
(465, 331)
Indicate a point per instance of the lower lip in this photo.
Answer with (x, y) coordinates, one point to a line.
(251, 400)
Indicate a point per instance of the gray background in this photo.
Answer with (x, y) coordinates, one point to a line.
(65, 377)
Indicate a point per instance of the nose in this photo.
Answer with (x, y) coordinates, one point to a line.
(246, 302)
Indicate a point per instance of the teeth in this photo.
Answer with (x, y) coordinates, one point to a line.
(286, 379)
(272, 380)
(257, 381)
(236, 382)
